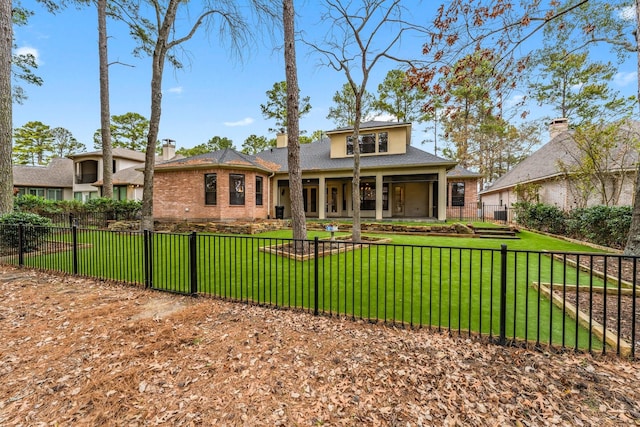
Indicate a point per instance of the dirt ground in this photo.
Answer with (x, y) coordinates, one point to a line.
(76, 351)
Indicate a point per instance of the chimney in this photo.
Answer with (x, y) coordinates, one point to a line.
(557, 126)
(282, 140)
(168, 149)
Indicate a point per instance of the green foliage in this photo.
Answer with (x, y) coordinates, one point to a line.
(255, 144)
(214, 144)
(343, 113)
(128, 130)
(397, 97)
(64, 143)
(276, 106)
(34, 229)
(542, 217)
(35, 204)
(603, 225)
(32, 144)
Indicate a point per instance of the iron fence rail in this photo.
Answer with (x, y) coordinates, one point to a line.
(583, 301)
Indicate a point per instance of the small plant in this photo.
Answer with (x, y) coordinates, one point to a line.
(34, 228)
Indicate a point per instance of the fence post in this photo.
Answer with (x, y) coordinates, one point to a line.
(74, 252)
(503, 294)
(193, 263)
(315, 275)
(20, 244)
(147, 259)
(482, 211)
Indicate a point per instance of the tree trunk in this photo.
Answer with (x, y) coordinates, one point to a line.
(105, 115)
(633, 242)
(298, 219)
(6, 172)
(355, 183)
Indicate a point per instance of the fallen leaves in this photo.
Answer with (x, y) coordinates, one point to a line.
(78, 351)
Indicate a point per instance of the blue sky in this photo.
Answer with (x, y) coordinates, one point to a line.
(214, 94)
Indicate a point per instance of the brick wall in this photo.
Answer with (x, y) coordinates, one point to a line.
(180, 195)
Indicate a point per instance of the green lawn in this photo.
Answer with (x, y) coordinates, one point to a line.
(440, 282)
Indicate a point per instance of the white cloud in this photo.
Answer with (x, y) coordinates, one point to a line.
(514, 100)
(177, 89)
(28, 50)
(384, 118)
(625, 79)
(244, 122)
(627, 13)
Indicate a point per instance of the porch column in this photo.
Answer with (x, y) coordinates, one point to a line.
(322, 198)
(378, 196)
(442, 194)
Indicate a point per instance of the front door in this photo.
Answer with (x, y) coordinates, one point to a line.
(310, 201)
(398, 200)
(333, 207)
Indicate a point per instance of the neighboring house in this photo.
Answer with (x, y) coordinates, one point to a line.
(52, 182)
(462, 192)
(397, 180)
(542, 171)
(128, 178)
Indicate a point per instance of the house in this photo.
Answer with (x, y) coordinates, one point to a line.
(545, 173)
(128, 177)
(52, 182)
(397, 180)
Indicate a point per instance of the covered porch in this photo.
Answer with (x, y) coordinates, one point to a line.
(382, 196)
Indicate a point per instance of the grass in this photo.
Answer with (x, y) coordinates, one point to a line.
(441, 282)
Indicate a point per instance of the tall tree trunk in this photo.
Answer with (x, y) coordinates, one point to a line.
(105, 115)
(6, 172)
(293, 127)
(355, 183)
(633, 242)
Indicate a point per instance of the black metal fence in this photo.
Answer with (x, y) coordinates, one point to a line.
(583, 301)
(89, 219)
(481, 212)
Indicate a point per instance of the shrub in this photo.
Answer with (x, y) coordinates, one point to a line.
(603, 225)
(35, 228)
(35, 204)
(541, 217)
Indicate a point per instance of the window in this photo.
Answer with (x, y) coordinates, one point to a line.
(54, 194)
(368, 196)
(383, 142)
(236, 189)
(368, 143)
(120, 192)
(457, 194)
(258, 191)
(210, 189)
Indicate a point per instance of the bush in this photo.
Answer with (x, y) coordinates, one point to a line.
(35, 228)
(35, 204)
(541, 217)
(602, 225)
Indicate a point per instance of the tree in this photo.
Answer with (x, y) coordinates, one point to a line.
(361, 35)
(24, 64)
(577, 88)
(467, 25)
(600, 160)
(6, 171)
(400, 99)
(255, 144)
(158, 37)
(343, 113)
(276, 106)
(32, 144)
(317, 135)
(105, 125)
(127, 131)
(64, 144)
(298, 221)
(219, 143)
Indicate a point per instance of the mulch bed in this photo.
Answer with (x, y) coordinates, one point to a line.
(83, 352)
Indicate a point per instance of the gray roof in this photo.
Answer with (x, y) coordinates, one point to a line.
(118, 152)
(316, 156)
(544, 163)
(460, 172)
(57, 174)
(220, 158)
(371, 124)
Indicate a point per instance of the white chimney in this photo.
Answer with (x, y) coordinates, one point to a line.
(557, 126)
(168, 150)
